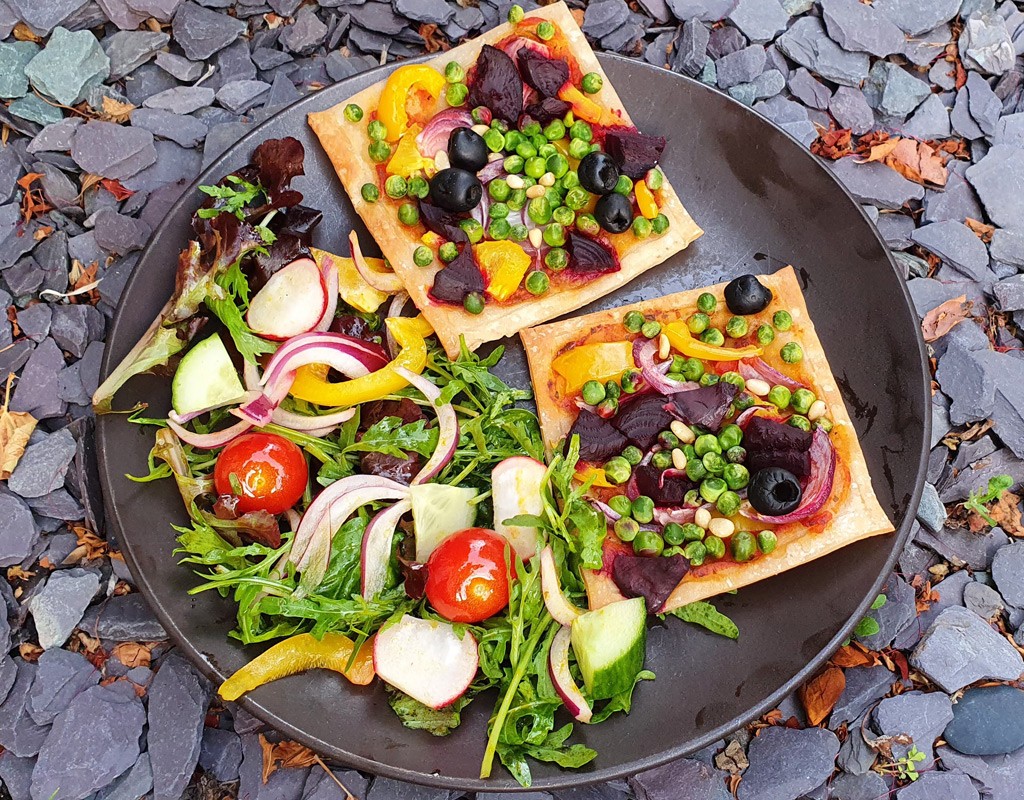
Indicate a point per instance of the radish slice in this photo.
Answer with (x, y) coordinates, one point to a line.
(426, 659)
(558, 666)
(559, 607)
(292, 302)
(377, 541)
(447, 423)
(332, 281)
(517, 485)
(381, 281)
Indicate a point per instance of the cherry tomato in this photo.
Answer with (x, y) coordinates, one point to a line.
(265, 471)
(467, 579)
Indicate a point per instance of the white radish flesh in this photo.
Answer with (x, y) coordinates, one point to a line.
(292, 302)
(517, 485)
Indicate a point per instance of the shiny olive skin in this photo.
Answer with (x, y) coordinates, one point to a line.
(747, 295)
(456, 189)
(614, 213)
(466, 150)
(774, 491)
(598, 173)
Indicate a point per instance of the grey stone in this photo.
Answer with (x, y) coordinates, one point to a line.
(896, 230)
(930, 121)
(20, 532)
(963, 548)
(876, 184)
(74, 327)
(44, 464)
(927, 293)
(851, 110)
(864, 686)
(177, 708)
(239, 96)
(689, 54)
(35, 109)
(118, 12)
(92, 742)
(44, 17)
(1007, 247)
(987, 721)
(61, 676)
(69, 65)
(113, 151)
(201, 32)
(956, 202)
(939, 786)
(898, 611)
(388, 789)
(55, 137)
(179, 128)
(174, 164)
(19, 733)
(705, 10)
(135, 783)
(377, 17)
(119, 234)
(725, 39)
(179, 66)
(786, 763)
(59, 504)
(161, 10)
(893, 91)
(983, 104)
(759, 20)
(682, 778)
(809, 90)
(266, 58)
(58, 607)
(1010, 130)
(983, 600)
(129, 50)
(285, 784)
(768, 84)
(960, 648)
(943, 75)
(985, 44)
(741, 66)
(1008, 573)
(434, 11)
(998, 179)
(869, 786)
(1000, 776)
(323, 787)
(16, 774)
(855, 755)
(1010, 292)
(307, 32)
(14, 56)
(920, 716)
(806, 43)
(123, 618)
(915, 561)
(924, 49)
(181, 99)
(957, 245)
(858, 27)
(918, 16)
(34, 321)
(221, 754)
(960, 118)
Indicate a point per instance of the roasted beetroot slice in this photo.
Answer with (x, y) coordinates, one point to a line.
(588, 256)
(705, 407)
(496, 84)
(766, 434)
(653, 579)
(796, 461)
(546, 75)
(443, 223)
(634, 152)
(548, 109)
(664, 491)
(459, 278)
(599, 440)
(642, 420)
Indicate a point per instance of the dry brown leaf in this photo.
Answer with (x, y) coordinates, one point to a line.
(983, 231)
(33, 204)
(880, 152)
(820, 694)
(94, 546)
(833, 144)
(15, 429)
(733, 760)
(23, 33)
(853, 655)
(115, 110)
(284, 754)
(1006, 511)
(30, 652)
(943, 318)
(918, 162)
(16, 573)
(116, 189)
(133, 654)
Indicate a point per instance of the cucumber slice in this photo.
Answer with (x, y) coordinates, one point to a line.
(610, 644)
(205, 378)
(437, 511)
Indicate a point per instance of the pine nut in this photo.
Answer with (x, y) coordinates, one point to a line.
(515, 182)
(678, 458)
(702, 517)
(722, 528)
(758, 387)
(495, 156)
(664, 348)
(535, 191)
(480, 130)
(536, 237)
(441, 160)
(683, 432)
(547, 179)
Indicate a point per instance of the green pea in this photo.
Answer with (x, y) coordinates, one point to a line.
(499, 229)
(608, 408)
(728, 503)
(408, 214)
(554, 196)
(547, 150)
(782, 320)
(698, 322)
(474, 230)
(662, 459)
(707, 443)
(735, 455)
(672, 550)
(517, 200)
(592, 82)
(612, 389)
(713, 336)
(554, 235)
(481, 115)
(564, 216)
(587, 223)
(692, 532)
(494, 140)
(456, 93)
(735, 379)
(448, 252)
(531, 128)
(624, 185)
(537, 282)
(513, 164)
(711, 488)
(709, 379)
(715, 547)
(593, 392)
(395, 187)
(578, 148)
(779, 396)
(792, 353)
(617, 470)
(418, 187)
(692, 499)
(660, 224)
(557, 164)
(654, 179)
(707, 302)
(643, 509)
(695, 553)
(473, 303)
(515, 14)
(634, 455)
(730, 436)
(499, 125)
(453, 72)
(742, 401)
(370, 193)
(376, 130)
(526, 150)
(689, 451)
(674, 534)
(693, 369)
(499, 189)
(546, 30)
(581, 130)
(535, 167)
(554, 130)
(422, 257)
(353, 113)
(570, 181)
(735, 476)
(556, 259)
(626, 529)
(668, 439)
(512, 139)
(802, 400)
(695, 470)
(650, 329)
(641, 227)
(736, 327)
(621, 505)
(798, 421)
(539, 210)
(824, 423)
(765, 335)
(519, 233)
(714, 463)
(498, 211)
(380, 151)
(767, 541)
(744, 547)
(648, 543)
(633, 321)
(630, 381)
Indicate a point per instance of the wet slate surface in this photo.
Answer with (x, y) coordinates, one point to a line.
(78, 721)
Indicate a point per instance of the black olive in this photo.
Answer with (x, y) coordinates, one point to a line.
(774, 491)
(614, 212)
(598, 173)
(455, 190)
(747, 295)
(466, 150)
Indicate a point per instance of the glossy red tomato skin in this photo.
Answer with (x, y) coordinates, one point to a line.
(271, 471)
(467, 576)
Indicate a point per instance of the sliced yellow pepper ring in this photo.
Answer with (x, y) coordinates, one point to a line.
(297, 654)
(680, 338)
(600, 361)
(504, 263)
(391, 109)
(311, 382)
(600, 479)
(407, 158)
(645, 200)
(353, 289)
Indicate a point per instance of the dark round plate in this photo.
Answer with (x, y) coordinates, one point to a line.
(763, 201)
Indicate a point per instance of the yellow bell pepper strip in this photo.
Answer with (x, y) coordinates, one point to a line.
(504, 263)
(645, 200)
(407, 158)
(600, 361)
(586, 109)
(297, 654)
(680, 338)
(311, 382)
(600, 479)
(403, 81)
(354, 290)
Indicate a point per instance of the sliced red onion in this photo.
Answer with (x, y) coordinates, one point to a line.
(395, 310)
(512, 46)
(377, 541)
(493, 169)
(434, 135)
(181, 419)
(387, 282)
(480, 211)
(330, 272)
(311, 425)
(447, 427)
(209, 441)
(679, 515)
(745, 416)
(817, 488)
(557, 604)
(758, 368)
(558, 666)
(610, 514)
(644, 351)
